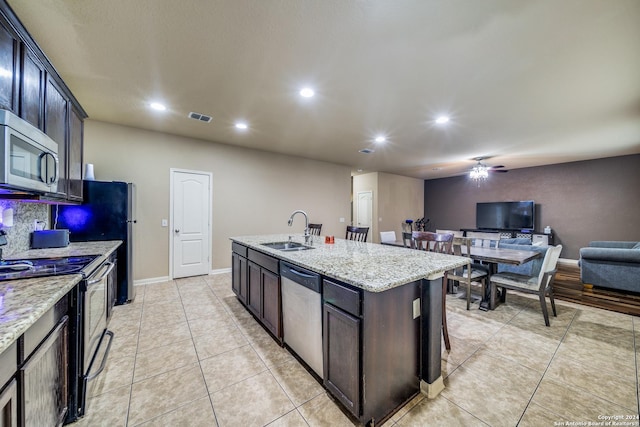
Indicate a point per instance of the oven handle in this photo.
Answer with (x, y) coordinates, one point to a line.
(104, 358)
(110, 266)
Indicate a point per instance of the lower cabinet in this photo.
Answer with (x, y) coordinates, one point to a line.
(9, 405)
(239, 276)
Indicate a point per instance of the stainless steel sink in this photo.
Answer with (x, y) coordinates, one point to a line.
(287, 246)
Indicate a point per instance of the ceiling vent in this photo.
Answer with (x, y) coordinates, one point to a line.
(200, 117)
(366, 151)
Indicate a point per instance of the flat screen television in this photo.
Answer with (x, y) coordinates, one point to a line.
(505, 215)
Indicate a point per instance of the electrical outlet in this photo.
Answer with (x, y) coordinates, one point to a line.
(165, 223)
(341, 219)
(416, 308)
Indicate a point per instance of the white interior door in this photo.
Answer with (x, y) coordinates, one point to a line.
(364, 210)
(191, 224)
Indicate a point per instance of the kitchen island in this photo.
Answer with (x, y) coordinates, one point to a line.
(382, 314)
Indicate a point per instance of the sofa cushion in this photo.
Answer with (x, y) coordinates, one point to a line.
(515, 241)
(637, 246)
(531, 268)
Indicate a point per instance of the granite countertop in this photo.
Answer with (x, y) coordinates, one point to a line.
(369, 266)
(24, 301)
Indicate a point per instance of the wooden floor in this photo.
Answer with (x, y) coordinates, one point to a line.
(568, 287)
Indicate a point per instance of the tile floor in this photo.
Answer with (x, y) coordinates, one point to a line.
(186, 353)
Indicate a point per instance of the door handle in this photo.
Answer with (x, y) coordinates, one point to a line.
(176, 231)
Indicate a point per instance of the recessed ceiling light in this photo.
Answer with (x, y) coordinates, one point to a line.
(442, 120)
(380, 139)
(157, 106)
(307, 92)
(241, 125)
(359, 170)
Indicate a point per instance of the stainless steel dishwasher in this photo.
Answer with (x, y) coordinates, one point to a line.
(302, 314)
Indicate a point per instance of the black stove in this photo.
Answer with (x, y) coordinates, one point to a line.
(41, 267)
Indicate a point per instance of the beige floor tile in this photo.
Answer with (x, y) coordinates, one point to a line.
(299, 385)
(165, 392)
(438, 412)
(218, 340)
(489, 390)
(199, 298)
(407, 407)
(604, 318)
(107, 409)
(470, 328)
(118, 372)
(162, 334)
(269, 351)
(162, 359)
(322, 411)
(207, 325)
(526, 348)
(291, 419)
(620, 337)
(123, 344)
(599, 353)
(573, 403)
(205, 310)
(195, 414)
(244, 403)
(536, 416)
(188, 281)
(530, 319)
(590, 378)
(231, 367)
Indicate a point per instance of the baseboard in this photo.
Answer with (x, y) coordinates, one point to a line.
(220, 271)
(142, 282)
(568, 261)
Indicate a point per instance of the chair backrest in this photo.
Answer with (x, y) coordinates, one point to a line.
(315, 229)
(433, 242)
(455, 233)
(357, 233)
(550, 261)
(407, 239)
(462, 246)
(387, 236)
(481, 238)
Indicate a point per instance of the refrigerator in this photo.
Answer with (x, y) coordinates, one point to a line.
(107, 213)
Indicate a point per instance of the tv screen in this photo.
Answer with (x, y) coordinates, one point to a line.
(505, 215)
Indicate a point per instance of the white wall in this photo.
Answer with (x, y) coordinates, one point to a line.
(254, 192)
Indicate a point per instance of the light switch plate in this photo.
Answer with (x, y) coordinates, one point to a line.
(416, 308)
(341, 219)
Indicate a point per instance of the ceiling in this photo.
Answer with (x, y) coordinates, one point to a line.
(525, 83)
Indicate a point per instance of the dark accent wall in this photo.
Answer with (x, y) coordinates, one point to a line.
(581, 201)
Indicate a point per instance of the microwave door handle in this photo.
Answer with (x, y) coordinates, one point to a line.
(55, 176)
(45, 176)
(43, 167)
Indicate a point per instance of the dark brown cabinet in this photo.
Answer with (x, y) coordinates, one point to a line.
(9, 56)
(239, 276)
(9, 405)
(271, 302)
(341, 343)
(32, 89)
(254, 297)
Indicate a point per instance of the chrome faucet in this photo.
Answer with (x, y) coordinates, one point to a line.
(307, 235)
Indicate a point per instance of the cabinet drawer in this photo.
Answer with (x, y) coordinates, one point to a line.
(239, 249)
(38, 332)
(265, 261)
(342, 297)
(8, 363)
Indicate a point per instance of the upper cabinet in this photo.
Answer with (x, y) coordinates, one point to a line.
(31, 88)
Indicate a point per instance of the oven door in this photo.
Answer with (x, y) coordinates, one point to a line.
(97, 339)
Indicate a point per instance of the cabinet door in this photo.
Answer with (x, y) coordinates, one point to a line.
(31, 89)
(239, 277)
(9, 406)
(56, 127)
(9, 47)
(342, 356)
(254, 295)
(74, 156)
(271, 302)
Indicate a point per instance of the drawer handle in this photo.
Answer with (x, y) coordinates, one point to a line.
(99, 279)
(301, 274)
(104, 358)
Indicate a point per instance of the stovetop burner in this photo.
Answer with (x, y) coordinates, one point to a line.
(41, 267)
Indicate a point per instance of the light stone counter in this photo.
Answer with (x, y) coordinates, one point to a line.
(369, 266)
(24, 301)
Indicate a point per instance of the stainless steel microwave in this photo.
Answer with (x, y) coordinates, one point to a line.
(29, 159)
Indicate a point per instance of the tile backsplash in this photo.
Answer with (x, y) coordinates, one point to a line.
(24, 216)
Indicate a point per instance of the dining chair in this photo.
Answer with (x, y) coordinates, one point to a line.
(472, 273)
(315, 229)
(387, 236)
(441, 243)
(406, 239)
(456, 233)
(482, 238)
(358, 234)
(542, 284)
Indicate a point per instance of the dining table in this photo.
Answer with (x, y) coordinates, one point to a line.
(492, 256)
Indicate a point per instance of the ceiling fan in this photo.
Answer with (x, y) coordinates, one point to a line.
(481, 171)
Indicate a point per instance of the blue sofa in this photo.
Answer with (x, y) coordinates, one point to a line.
(611, 264)
(531, 268)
